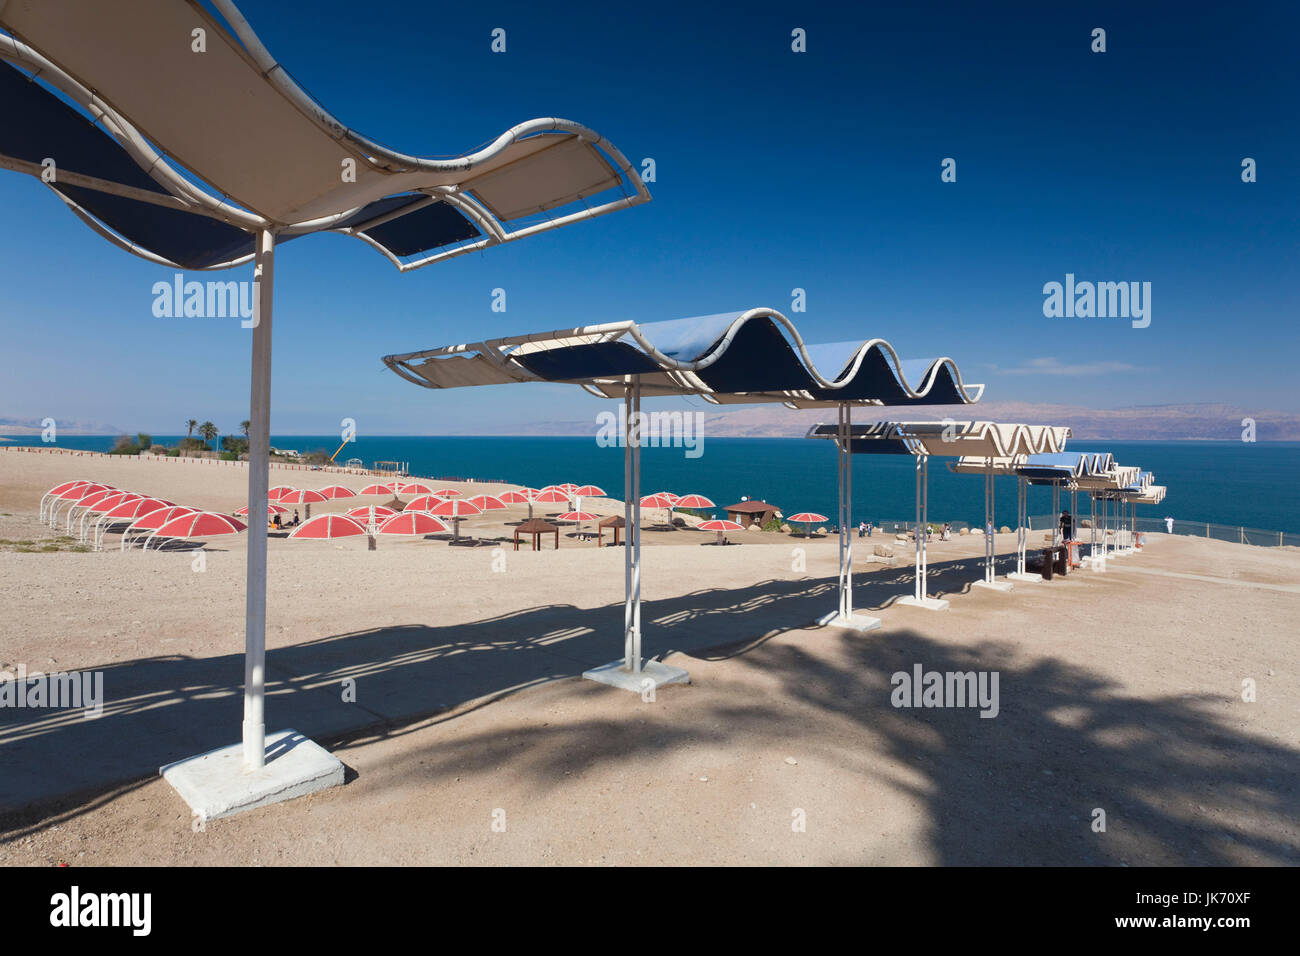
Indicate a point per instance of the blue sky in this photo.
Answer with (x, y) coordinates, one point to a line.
(776, 170)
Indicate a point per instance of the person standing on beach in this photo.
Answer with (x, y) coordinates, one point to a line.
(1067, 526)
(1169, 524)
(862, 529)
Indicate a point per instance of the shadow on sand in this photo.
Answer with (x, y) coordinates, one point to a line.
(1176, 780)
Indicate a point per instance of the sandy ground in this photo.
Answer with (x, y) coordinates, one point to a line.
(1119, 692)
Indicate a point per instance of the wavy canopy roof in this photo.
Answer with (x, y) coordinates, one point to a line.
(182, 156)
(982, 441)
(752, 356)
(1065, 468)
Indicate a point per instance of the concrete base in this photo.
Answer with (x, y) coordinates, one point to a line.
(994, 585)
(1017, 576)
(855, 622)
(215, 784)
(929, 603)
(656, 672)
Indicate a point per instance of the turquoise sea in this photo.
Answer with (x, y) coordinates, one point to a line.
(1230, 483)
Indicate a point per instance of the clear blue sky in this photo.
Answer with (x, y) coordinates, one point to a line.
(775, 170)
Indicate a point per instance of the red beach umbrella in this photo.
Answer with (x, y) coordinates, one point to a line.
(270, 510)
(720, 526)
(159, 517)
(376, 490)
(412, 524)
(81, 490)
(524, 496)
(59, 489)
(423, 503)
(302, 496)
(128, 511)
(370, 513)
(549, 496)
(589, 491)
(334, 492)
(90, 501)
(455, 510)
(136, 508)
(693, 501)
(275, 493)
(417, 488)
(198, 524)
(806, 518)
(579, 517)
(488, 502)
(447, 493)
(328, 526)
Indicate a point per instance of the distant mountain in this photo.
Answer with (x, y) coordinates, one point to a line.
(1134, 423)
(32, 426)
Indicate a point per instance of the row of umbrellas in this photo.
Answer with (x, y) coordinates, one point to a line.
(159, 518)
(137, 515)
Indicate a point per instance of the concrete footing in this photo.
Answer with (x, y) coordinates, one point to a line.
(216, 785)
(653, 674)
(1018, 576)
(928, 603)
(994, 585)
(855, 622)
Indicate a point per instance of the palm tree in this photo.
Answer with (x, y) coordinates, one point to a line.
(191, 425)
(208, 431)
(244, 426)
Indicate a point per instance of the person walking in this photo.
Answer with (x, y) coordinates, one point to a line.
(1169, 524)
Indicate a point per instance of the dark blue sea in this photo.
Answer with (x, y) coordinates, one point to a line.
(1230, 483)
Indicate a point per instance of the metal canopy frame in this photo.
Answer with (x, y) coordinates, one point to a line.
(681, 368)
(685, 356)
(1009, 444)
(419, 181)
(181, 192)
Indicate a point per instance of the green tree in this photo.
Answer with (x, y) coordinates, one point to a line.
(208, 431)
(190, 426)
(244, 426)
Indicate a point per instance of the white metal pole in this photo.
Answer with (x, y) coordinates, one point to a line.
(629, 536)
(1021, 508)
(636, 557)
(848, 511)
(925, 524)
(919, 587)
(990, 522)
(843, 506)
(259, 464)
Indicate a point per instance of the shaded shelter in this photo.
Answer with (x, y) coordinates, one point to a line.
(535, 528)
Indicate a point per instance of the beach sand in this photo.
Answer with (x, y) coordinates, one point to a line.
(1120, 692)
